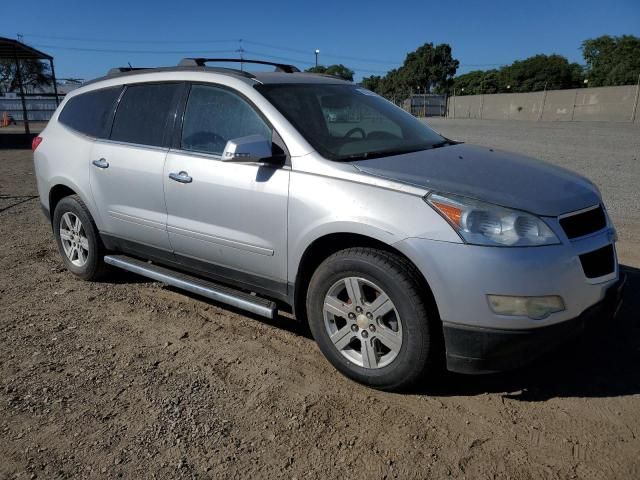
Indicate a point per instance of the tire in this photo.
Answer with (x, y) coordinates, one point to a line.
(81, 248)
(362, 347)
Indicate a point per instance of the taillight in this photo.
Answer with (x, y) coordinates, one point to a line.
(35, 142)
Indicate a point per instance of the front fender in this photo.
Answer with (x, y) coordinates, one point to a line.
(319, 206)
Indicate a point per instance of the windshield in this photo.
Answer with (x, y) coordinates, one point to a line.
(345, 122)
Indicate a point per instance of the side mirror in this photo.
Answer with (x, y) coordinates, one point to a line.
(250, 149)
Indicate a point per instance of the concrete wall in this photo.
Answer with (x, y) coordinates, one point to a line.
(601, 104)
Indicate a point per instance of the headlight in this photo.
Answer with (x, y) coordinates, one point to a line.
(482, 223)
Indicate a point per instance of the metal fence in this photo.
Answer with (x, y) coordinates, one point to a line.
(426, 105)
(39, 109)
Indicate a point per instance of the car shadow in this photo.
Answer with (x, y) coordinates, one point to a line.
(602, 363)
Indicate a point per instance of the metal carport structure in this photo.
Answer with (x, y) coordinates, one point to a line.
(17, 51)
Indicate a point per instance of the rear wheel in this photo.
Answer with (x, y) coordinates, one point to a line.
(367, 313)
(78, 239)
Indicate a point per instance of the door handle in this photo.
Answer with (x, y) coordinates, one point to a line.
(102, 163)
(182, 177)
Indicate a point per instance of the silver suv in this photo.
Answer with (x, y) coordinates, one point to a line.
(403, 250)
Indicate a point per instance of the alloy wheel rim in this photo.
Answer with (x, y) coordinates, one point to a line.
(362, 322)
(74, 239)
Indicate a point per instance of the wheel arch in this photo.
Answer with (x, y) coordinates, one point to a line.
(61, 188)
(57, 193)
(326, 245)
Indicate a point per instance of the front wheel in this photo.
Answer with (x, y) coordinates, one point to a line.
(367, 313)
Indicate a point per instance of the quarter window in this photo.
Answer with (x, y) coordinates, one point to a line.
(144, 112)
(90, 113)
(214, 116)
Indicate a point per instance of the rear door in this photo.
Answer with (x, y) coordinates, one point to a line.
(228, 219)
(127, 168)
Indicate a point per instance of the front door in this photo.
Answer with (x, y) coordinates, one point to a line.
(229, 219)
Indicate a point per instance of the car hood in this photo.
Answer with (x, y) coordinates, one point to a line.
(489, 175)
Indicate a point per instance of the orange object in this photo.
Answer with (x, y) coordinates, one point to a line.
(454, 214)
(5, 119)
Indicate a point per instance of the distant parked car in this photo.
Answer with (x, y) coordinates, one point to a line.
(401, 248)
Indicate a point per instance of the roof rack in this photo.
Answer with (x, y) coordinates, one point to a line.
(201, 62)
(116, 70)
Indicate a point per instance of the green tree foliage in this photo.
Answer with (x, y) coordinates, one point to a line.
(373, 83)
(612, 60)
(335, 70)
(533, 73)
(34, 74)
(530, 75)
(429, 68)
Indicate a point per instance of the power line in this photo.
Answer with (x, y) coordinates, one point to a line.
(305, 62)
(110, 50)
(229, 51)
(324, 54)
(235, 40)
(204, 41)
(130, 41)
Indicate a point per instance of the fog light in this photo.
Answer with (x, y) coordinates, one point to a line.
(536, 308)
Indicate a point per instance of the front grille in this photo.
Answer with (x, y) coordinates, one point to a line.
(599, 262)
(584, 223)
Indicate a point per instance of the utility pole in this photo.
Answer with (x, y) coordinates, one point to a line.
(544, 100)
(54, 82)
(481, 97)
(241, 51)
(454, 102)
(424, 103)
(575, 100)
(635, 103)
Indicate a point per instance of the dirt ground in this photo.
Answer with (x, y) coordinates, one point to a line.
(128, 378)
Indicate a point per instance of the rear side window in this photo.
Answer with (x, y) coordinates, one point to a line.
(214, 116)
(90, 113)
(143, 113)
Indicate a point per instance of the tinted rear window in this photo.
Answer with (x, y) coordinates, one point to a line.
(143, 113)
(90, 113)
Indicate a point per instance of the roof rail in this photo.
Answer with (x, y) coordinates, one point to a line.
(201, 62)
(116, 70)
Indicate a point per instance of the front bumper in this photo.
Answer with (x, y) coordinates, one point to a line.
(483, 350)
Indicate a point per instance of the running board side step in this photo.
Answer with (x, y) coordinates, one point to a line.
(219, 293)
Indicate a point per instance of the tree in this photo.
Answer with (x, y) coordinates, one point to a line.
(430, 68)
(529, 75)
(468, 83)
(612, 60)
(34, 74)
(335, 70)
(534, 73)
(372, 83)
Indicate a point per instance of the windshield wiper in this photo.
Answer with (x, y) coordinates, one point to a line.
(444, 143)
(382, 153)
(397, 151)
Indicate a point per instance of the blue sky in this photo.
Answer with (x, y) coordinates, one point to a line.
(370, 37)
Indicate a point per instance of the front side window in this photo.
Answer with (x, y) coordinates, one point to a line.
(143, 113)
(345, 123)
(214, 116)
(90, 113)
